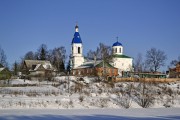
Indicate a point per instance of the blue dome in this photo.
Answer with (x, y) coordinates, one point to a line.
(117, 44)
(77, 38)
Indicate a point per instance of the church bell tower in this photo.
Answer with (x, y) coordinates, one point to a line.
(76, 58)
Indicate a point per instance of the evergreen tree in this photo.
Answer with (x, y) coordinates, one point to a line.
(3, 58)
(42, 54)
(61, 67)
(68, 67)
(15, 68)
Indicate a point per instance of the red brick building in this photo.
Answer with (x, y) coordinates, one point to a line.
(100, 68)
(175, 72)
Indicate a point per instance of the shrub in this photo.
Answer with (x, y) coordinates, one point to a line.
(81, 98)
(144, 95)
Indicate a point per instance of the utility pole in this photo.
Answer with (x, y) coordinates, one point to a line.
(68, 82)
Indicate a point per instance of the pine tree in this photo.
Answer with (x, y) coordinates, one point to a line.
(61, 67)
(15, 68)
(68, 67)
(43, 54)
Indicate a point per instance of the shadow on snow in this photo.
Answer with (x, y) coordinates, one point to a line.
(81, 117)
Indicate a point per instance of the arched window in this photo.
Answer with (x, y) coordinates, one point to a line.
(79, 50)
(116, 50)
(120, 50)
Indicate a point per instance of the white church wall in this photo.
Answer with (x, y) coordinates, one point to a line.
(75, 49)
(118, 50)
(77, 61)
(123, 64)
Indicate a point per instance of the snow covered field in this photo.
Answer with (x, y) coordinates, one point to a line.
(91, 114)
(67, 98)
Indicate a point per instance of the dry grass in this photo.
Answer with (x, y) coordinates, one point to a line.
(158, 80)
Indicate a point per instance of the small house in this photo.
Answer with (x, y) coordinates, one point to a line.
(38, 69)
(4, 73)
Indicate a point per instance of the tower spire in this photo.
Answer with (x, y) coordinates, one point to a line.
(76, 27)
(117, 38)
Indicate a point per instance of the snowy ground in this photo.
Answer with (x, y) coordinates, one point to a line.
(91, 114)
(67, 98)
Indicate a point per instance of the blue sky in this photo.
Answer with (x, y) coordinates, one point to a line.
(139, 24)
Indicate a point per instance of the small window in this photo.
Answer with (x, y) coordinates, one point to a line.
(120, 50)
(79, 50)
(33, 67)
(79, 72)
(116, 50)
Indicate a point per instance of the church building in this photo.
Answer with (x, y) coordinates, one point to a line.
(119, 64)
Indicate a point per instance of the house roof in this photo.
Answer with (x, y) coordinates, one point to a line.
(29, 63)
(1, 69)
(88, 64)
(120, 56)
(91, 64)
(104, 64)
(38, 64)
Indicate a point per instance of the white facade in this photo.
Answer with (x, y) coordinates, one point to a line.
(119, 60)
(77, 58)
(123, 64)
(118, 50)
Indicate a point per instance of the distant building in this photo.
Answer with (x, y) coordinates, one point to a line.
(119, 61)
(38, 69)
(175, 72)
(150, 75)
(4, 73)
(100, 68)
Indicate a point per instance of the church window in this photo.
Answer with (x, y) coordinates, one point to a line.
(116, 50)
(120, 50)
(79, 50)
(79, 72)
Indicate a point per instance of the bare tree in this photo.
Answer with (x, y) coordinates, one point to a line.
(57, 57)
(155, 59)
(138, 64)
(102, 52)
(91, 54)
(29, 56)
(174, 62)
(144, 95)
(3, 58)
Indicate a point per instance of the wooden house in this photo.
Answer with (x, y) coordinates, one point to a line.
(4, 73)
(38, 69)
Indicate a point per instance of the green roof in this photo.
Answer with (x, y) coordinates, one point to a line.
(106, 64)
(121, 56)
